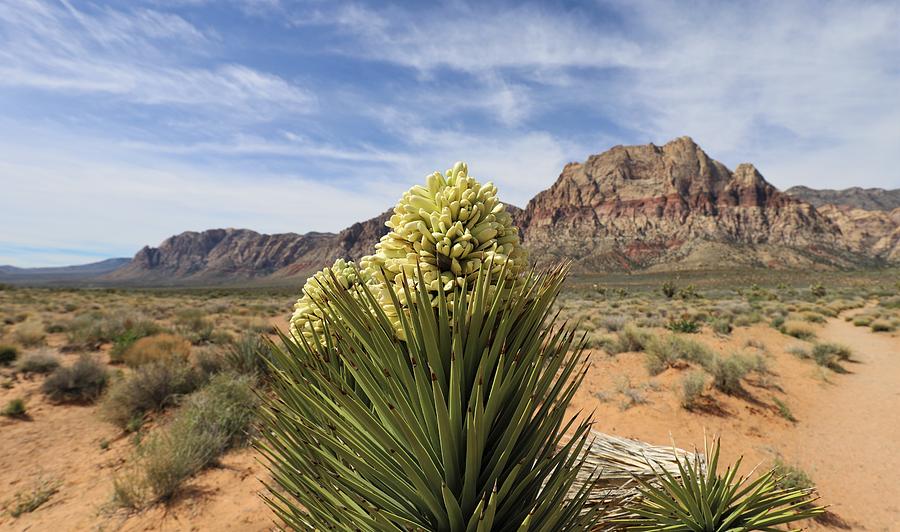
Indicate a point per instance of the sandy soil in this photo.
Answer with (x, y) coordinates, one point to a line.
(847, 426)
(845, 438)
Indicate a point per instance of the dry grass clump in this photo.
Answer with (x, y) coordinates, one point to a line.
(630, 339)
(798, 329)
(81, 382)
(728, 374)
(209, 422)
(692, 386)
(664, 351)
(31, 498)
(883, 326)
(29, 334)
(163, 348)
(41, 361)
(151, 387)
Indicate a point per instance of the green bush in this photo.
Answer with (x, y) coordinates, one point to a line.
(683, 325)
(134, 330)
(704, 499)
(81, 382)
(150, 388)
(195, 325)
(14, 408)
(669, 289)
(38, 362)
(817, 290)
(8, 354)
(862, 320)
(248, 356)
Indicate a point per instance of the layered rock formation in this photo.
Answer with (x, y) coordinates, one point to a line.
(639, 206)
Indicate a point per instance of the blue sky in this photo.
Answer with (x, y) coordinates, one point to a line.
(122, 123)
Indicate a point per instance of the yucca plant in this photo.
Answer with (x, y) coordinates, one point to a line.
(459, 427)
(703, 500)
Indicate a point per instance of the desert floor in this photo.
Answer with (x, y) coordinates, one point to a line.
(845, 434)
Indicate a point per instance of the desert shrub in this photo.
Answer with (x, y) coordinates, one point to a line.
(882, 326)
(791, 477)
(163, 348)
(90, 331)
(209, 422)
(692, 386)
(818, 290)
(38, 362)
(862, 320)
(151, 387)
(14, 408)
(208, 360)
(134, 330)
(613, 323)
(798, 329)
(688, 292)
(194, 325)
(721, 326)
(30, 334)
(728, 372)
(683, 325)
(248, 356)
(55, 327)
(702, 498)
(631, 339)
(813, 317)
(668, 289)
(663, 351)
(83, 381)
(778, 322)
(830, 355)
(799, 351)
(8, 354)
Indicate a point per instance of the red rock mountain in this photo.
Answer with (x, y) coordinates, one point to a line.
(631, 207)
(645, 206)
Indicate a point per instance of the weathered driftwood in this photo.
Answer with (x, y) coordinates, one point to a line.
(618, 462)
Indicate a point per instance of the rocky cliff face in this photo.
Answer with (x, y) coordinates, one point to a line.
(640, 206)
(870, 199)
(873, 233)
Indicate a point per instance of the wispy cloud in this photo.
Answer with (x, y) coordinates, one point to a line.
(138, 56)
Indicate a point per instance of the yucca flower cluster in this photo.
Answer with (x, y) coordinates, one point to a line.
(449, 229)
(308, 316)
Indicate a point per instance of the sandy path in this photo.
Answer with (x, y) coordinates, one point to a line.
(855, 436)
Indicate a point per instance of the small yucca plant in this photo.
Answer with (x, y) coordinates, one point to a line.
(703, 500)
(458, 427)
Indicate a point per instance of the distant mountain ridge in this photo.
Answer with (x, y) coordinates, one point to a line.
(628, 208)
(870, 199)
(62, 273)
